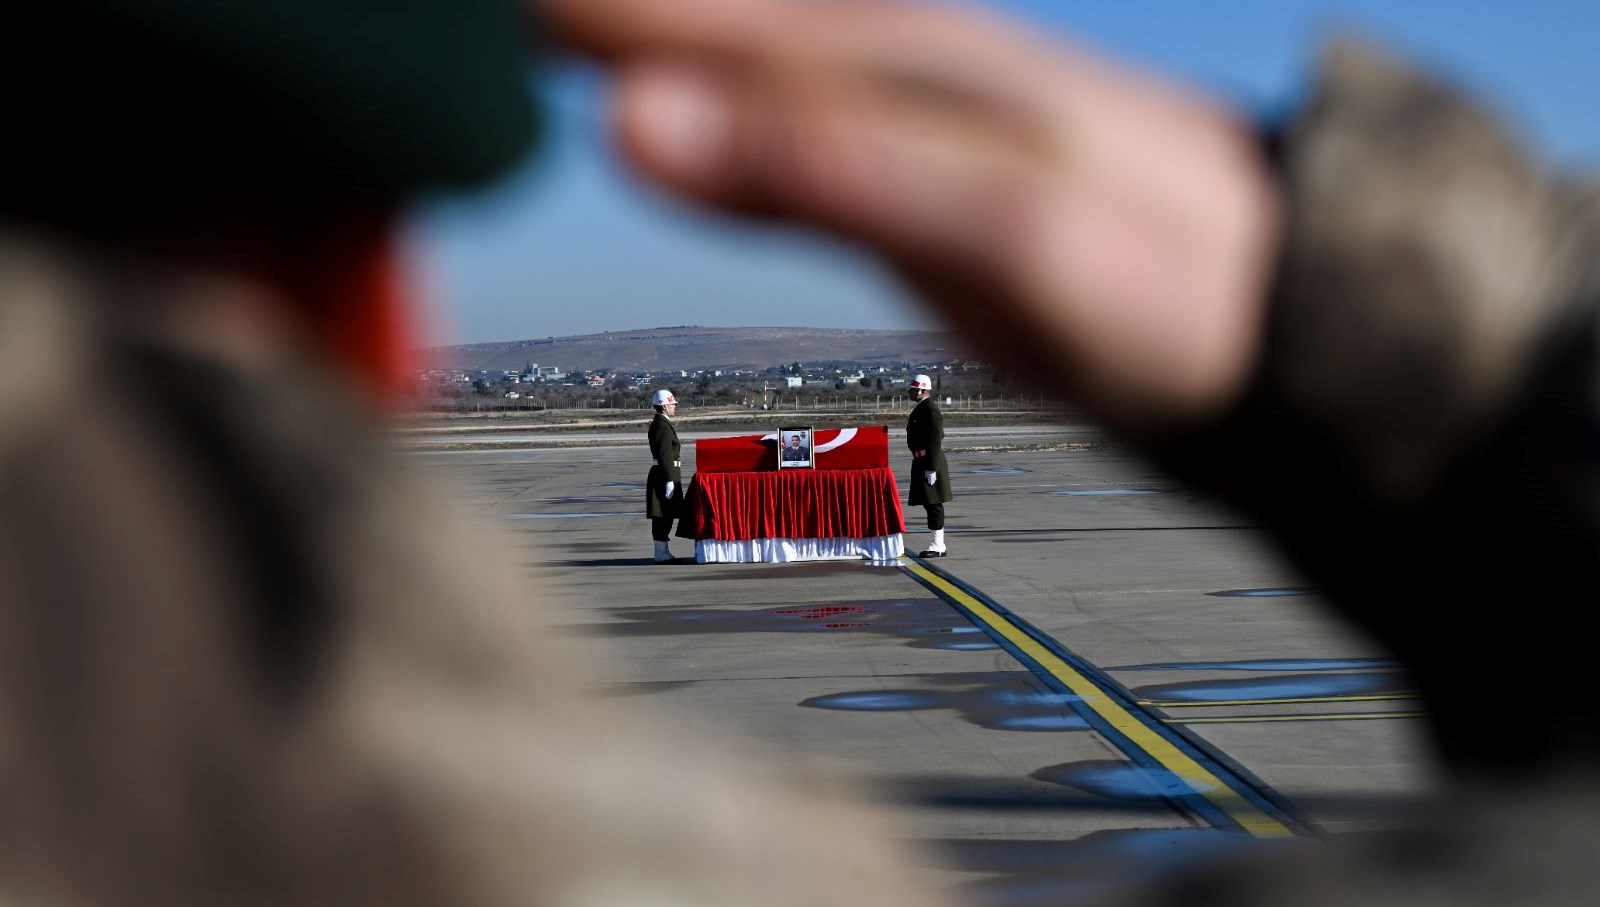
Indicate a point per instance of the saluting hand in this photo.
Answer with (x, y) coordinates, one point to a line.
(1083, 222)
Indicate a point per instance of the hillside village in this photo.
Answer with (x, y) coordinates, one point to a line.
(618, 381)
(554, 386)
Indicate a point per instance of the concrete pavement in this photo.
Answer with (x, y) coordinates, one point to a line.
(1167, 607)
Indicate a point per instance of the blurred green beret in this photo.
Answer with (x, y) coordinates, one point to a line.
(377, 97)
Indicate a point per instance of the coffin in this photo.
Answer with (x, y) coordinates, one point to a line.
(862, 447)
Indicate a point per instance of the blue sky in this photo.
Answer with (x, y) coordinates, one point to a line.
(570, 243)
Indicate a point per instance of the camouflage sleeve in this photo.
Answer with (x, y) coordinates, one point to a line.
(1426, 394)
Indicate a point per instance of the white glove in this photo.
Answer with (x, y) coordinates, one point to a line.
(933, 477)
(671, 487)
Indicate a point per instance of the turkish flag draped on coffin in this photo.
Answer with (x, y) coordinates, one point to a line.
(862, 447)
(794, 504)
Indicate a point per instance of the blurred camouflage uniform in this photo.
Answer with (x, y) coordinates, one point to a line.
(1421, 434)
(1423, 439)
(244, 657)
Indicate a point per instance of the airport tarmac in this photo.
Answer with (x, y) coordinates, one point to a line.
(1110, 674)
(501, 436)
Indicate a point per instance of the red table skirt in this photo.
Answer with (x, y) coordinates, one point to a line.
(792, 504)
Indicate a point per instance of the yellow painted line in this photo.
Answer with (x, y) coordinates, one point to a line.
(1250, 719)
(1375, 697)
(1204, 782)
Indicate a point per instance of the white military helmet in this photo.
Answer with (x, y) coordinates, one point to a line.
(922, 383)
(663, 397)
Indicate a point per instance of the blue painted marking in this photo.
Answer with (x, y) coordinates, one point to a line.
(881, 701)
(1006, 708)
(1121, 781)
(944, 631)
(1039, 723)
(1031, 698)
(1261, 593)
(1166, 843)
(1268, 664)
(1105, 492)
(965, 645)
(1279, 687)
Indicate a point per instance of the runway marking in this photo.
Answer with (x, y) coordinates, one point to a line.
(1249, 719)
(1290, 700)
(1218, 793)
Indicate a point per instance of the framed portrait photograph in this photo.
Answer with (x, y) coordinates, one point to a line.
(794, 447)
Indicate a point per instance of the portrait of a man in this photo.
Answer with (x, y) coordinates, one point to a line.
(794, 447)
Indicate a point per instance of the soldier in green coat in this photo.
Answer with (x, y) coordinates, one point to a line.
(664, 486)
(930, 475)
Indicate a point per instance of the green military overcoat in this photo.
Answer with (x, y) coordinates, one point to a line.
(925, 438)
(665, 453)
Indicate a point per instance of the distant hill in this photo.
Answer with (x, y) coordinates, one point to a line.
(689, 348)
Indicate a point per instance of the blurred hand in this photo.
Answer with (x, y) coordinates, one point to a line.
(933, 477)
(1091, 227)
(671, 487)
